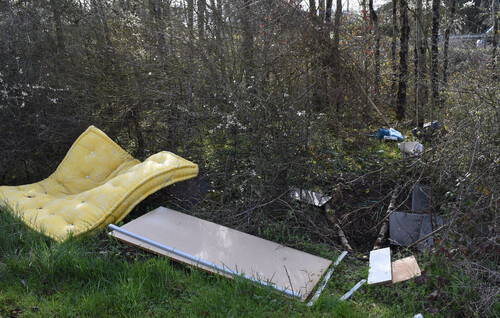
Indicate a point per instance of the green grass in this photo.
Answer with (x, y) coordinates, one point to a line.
(99, 276)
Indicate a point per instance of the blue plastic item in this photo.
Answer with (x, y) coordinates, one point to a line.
(389, 134)
(394, 133)
(381, 133)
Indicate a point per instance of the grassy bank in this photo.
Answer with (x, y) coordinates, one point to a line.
(98, 276)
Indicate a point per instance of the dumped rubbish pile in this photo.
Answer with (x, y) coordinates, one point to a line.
(404, 229)
(218, 249)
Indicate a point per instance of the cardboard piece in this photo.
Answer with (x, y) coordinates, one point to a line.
(243, 253)
(380, 267)
(310, 197)
(407, 228)
(404, 269)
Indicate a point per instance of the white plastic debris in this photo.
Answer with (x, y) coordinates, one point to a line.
(356, 287)
(380, 271)
(411, 149)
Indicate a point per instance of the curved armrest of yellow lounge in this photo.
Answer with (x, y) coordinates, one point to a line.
(94, 196)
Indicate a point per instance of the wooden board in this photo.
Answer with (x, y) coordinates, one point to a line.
(243, 253)
(380, 267)
(404, 269)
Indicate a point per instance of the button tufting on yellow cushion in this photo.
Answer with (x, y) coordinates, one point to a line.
(96, 183)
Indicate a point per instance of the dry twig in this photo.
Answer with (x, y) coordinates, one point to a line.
(336, 223)
(385, 226)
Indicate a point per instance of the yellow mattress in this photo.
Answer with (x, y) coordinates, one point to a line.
(96, 184)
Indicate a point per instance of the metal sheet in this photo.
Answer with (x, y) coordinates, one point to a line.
(310, 197)
(242, 253)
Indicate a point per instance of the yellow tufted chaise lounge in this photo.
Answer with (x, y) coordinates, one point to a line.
(96, 184)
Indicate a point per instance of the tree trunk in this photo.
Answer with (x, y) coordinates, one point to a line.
(190, 14)
(403, 61)
(312, 8)
(107, 45)
(421, 70)
(248, 43)
(336, 28)
(434, 56)
(453, 6)
(335, 57)
(216, 20)
(202, 4)
(494, 51)
(56, 10)
(4, 5)
(374, 20)
(321, 9)
(328, 14)
(394, 47)
(363, 10)
(156, 8)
